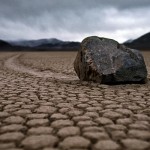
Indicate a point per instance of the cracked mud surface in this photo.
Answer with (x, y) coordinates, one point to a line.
(43, 106)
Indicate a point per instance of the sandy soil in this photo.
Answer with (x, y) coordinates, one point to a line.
(43, 106)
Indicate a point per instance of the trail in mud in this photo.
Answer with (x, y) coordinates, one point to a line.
(14, 64)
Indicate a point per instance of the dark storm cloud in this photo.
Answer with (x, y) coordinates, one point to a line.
(73, 19)
(30, 8)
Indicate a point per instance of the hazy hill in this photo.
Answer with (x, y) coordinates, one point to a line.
(42, 45)
(53, 44)
(35, 43)
(47, 44)
(60, 45)
(4, 44)
(142, 43)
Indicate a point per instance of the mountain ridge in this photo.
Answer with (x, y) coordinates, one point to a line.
(141, 43)
(51, 44)
(34, 43)
(4, 43)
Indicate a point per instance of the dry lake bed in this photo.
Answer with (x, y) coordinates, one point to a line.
(44, 106)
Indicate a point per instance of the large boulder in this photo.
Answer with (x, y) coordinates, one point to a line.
(106, 61)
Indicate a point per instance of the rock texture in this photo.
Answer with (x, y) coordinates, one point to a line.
(108, 62)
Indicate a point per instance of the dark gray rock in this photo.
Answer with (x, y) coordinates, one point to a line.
(108, 62)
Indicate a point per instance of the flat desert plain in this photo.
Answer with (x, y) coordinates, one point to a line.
(44, 106)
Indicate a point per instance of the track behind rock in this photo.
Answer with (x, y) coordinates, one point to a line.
(13, 63)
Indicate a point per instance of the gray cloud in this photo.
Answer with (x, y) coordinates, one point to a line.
(73, 20)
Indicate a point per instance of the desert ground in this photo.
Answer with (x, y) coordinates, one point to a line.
(44, 106)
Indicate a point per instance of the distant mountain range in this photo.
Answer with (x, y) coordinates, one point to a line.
(35, 43)
(39, 45)
(141, 43)
(4, 44)
(53, 44)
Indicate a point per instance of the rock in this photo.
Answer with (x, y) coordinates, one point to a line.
(106, 61)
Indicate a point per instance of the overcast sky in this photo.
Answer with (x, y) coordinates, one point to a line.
(74, 19)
